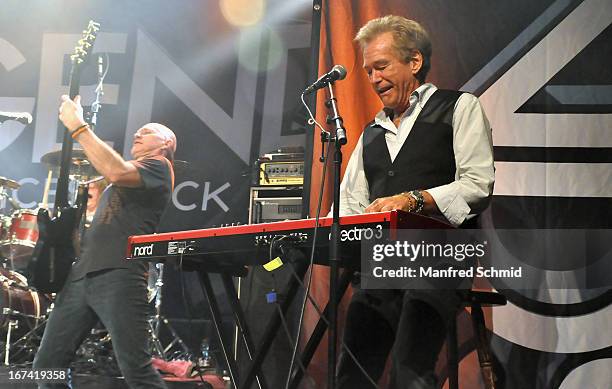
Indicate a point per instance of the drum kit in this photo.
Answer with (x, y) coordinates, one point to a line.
(23, 310)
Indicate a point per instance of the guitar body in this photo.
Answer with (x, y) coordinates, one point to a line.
(54, 252)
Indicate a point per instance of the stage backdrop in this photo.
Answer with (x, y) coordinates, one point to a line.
(227, 80)
(224, 75)
(542, 72)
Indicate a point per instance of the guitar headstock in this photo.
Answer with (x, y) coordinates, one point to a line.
(81, 52)
(85, 44)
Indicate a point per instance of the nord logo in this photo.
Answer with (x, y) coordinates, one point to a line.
(143, 250)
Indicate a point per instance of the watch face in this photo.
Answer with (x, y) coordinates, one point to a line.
(418, 199)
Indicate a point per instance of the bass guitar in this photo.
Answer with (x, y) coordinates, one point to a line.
(54, 252)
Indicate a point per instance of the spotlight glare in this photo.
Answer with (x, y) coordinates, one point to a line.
(243, 13)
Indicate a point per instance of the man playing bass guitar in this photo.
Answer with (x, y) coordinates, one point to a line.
(101, 284)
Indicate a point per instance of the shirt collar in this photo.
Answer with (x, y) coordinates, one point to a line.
(418, 97)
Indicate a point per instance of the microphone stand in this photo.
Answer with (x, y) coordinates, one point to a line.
(334, 248)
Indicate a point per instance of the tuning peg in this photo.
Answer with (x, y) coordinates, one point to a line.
(84, 43)
(93, 25)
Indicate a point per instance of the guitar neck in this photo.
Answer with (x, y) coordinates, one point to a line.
(61, 194)
(81, 52)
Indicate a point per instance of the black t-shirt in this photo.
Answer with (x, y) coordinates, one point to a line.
(123, 212)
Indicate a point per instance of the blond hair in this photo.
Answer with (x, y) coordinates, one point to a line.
(408, 37)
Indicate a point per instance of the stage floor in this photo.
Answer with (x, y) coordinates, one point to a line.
(82, 381)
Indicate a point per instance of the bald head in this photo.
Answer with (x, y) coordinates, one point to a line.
(154, 139)
(165, 132)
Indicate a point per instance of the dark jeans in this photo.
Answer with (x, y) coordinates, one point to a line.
(409, 324)
(118, 299)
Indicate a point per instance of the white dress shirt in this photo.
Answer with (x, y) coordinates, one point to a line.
(469, 194)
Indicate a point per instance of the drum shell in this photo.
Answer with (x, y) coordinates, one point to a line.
(20, 239)
(5, 226)
(20, 303)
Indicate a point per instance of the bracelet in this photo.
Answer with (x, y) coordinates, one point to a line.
(79, 130)
(419, 199)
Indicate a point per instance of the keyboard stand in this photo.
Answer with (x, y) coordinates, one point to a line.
(273, 326)
(257, 355)
(239, 318)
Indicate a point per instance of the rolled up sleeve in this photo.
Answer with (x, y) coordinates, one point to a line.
(471, 191)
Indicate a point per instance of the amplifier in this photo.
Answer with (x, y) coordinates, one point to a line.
(276, 209)
(281, 173)
(275, 203)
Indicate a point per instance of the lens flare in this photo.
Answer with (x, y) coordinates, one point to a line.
(243, 13)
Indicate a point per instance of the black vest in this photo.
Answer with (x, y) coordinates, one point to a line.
(426, 159)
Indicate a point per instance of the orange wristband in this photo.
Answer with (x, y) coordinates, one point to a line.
(79, 130)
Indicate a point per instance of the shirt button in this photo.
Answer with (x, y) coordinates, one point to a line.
(391, 173)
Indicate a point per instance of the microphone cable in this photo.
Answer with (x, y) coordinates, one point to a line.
(316, 308)
(308, 285)
(312, 120)
(326, 321)
(277, 297)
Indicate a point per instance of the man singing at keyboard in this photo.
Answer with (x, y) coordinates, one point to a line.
(429, 151)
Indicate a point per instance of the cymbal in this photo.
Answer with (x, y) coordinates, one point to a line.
(79, 164)
(54, 158)
(8, 183)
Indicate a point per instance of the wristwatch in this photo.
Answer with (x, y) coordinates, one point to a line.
(419, 200)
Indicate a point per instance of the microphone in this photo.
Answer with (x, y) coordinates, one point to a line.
(21, 117)
(338, 72)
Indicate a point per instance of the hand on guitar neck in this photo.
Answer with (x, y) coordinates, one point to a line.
(151, 140)
(71, 113)
(106, 161)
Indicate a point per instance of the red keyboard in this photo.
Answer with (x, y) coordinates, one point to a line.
(249, 244)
